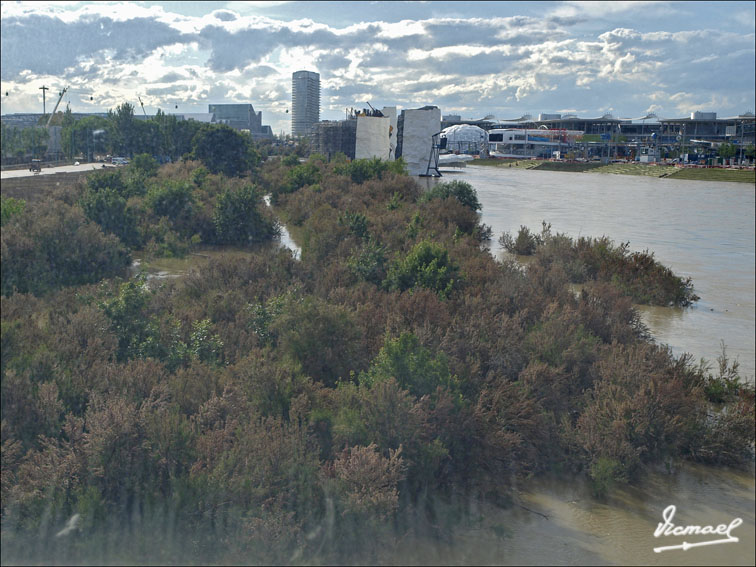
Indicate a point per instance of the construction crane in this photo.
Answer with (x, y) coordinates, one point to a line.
(56, 107)
(140, 102)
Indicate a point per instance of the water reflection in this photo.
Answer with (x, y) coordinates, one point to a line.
(557, 521)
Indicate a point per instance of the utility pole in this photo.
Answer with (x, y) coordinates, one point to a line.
(43, 88)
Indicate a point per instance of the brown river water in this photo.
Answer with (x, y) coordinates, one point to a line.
(699, 229)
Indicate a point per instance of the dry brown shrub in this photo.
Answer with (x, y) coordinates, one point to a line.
(370, 480)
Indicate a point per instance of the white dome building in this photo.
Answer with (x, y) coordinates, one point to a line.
(464, 138)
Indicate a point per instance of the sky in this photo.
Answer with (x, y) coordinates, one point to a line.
(474, 59)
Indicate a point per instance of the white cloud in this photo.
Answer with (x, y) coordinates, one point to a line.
(500, 65)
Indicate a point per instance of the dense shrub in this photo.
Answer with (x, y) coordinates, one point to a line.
(225, 150)
(55, 245)
(9, 207)
(320, 409)
(524, 244)
(636, 274)
(413, 366)
(427, 265)
(109, 210)
(144, 164)
(460, 190)
(170, 199)
(361, 170)
(107, 180)
(301, 175)
(239, 220)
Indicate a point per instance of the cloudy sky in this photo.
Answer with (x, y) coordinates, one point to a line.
(470, 58)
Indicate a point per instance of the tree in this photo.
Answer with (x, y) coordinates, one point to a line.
(144, 164)
(750, 151)
(460, 190)
(86, 136)
(34, 141)
(224, 150)
(124, 129)
(108, 209)
(726, 151)
(238, 219)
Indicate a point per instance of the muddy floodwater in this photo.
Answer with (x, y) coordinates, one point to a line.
(558, 522)
(700, 229)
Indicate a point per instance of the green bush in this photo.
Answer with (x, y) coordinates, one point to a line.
(361, 170)
(144, 164)
(238, 219)
(9, 207)
(356, 223)
(107, 180)
(427, 265)
(525, 244)
(225, 150)
(109, 210)
(413, 366)
(368, 262)
(55, 245)
(301, 175)
(460, 190)
(170, 199)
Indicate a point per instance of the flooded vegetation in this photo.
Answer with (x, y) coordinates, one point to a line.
(636, 274)
(394, 394)
(703, 231)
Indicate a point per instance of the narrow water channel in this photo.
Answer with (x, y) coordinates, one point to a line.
(162, 268)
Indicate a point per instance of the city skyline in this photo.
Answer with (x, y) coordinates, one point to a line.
(473, 59)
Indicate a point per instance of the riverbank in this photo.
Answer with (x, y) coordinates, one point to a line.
(745, 175)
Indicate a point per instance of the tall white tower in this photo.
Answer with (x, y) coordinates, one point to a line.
(305, 102)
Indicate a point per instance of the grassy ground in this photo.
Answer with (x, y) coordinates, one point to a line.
(577, 167)
(696, 174)
(637, 169)
(518, 163)
(709, 174)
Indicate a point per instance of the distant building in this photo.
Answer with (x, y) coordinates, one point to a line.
(331, 137)
(204, 117)
(305, 102)
(238, 116)
(372, 138)
(416, 128)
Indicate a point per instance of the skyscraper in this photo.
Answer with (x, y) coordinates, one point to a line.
(305, 102)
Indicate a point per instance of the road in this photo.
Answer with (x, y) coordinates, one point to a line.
(48, 170)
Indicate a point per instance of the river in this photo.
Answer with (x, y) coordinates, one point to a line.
(700, 229)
